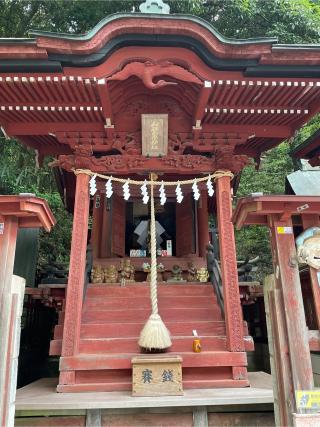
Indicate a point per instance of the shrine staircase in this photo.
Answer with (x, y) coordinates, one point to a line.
(113, 317)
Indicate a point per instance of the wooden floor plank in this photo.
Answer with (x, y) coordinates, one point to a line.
(42, 395)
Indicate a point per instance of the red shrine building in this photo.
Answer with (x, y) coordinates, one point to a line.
(91, 102)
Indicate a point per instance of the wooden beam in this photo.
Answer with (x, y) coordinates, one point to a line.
(288, 281)
(284, 399)
(45, 128)
(201, 104)
(124, 164)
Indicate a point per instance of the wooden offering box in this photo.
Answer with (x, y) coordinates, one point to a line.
(157, 376)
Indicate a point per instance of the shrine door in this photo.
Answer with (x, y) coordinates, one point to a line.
(185, 227)
(113, 228)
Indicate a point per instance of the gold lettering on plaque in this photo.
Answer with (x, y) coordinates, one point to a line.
(154, 134)
(155, 125)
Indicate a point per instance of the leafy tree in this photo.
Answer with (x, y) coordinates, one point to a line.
(292, 21)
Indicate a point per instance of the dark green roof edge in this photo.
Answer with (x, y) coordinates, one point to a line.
(118, 16)
(12, 40)
(305, 143)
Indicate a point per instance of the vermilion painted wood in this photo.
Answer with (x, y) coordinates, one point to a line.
(113, 330)
(287, 279)
(118, 230)
(233, 313)
(140, 315)
(144, 302)
(123, 361)
(98, 209)
(313, 221)
(73, 306)
(187, 28)
(217, 373)
(203, 223)
(185, 245)
(183, 289)
(130, 345)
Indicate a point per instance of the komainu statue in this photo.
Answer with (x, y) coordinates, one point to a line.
(308, 247)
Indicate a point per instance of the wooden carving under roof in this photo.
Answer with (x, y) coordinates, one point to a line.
(84, 95)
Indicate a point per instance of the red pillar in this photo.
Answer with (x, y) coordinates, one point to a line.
(232, 307)
(307, 222)
(73, 305)
(288, 281)
(203, 223)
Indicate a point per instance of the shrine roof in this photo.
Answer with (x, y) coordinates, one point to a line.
(31, 211)
(50, 52)
(83, 95)
(255, 210)
(309, 149)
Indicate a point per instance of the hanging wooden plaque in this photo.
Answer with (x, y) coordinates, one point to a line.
(154, 134)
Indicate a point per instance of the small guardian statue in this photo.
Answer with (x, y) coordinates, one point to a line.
(192, 272)
(97, 274)
(111, 274)
(127, 271)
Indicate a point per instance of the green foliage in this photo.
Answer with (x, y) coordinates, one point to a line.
(270, 178)
(19, 174)
(292, 21)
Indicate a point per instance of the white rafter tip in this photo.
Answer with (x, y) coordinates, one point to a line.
(101, 81)
(207, 83)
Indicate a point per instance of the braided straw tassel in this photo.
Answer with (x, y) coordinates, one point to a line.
(154, 335)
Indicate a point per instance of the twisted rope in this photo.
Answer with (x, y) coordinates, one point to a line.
(153, 244)
(214, 176)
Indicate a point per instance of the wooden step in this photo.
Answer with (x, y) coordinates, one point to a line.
(168, 314)
(138, 290)
(114, 330)
(123, 361)
(174, 301)
(141, 315)
(130, 345)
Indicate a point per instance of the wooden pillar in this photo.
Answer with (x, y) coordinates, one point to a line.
(73, 305)
(203, 223)
(307, 222)
(288, 281)
(7, 253)
(97, 216)
(232, 308)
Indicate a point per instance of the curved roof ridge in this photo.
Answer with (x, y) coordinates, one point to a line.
(118, 16)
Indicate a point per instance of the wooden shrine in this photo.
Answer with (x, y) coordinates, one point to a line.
(159, 93)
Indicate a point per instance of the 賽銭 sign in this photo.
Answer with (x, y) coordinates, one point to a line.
(157, 376)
